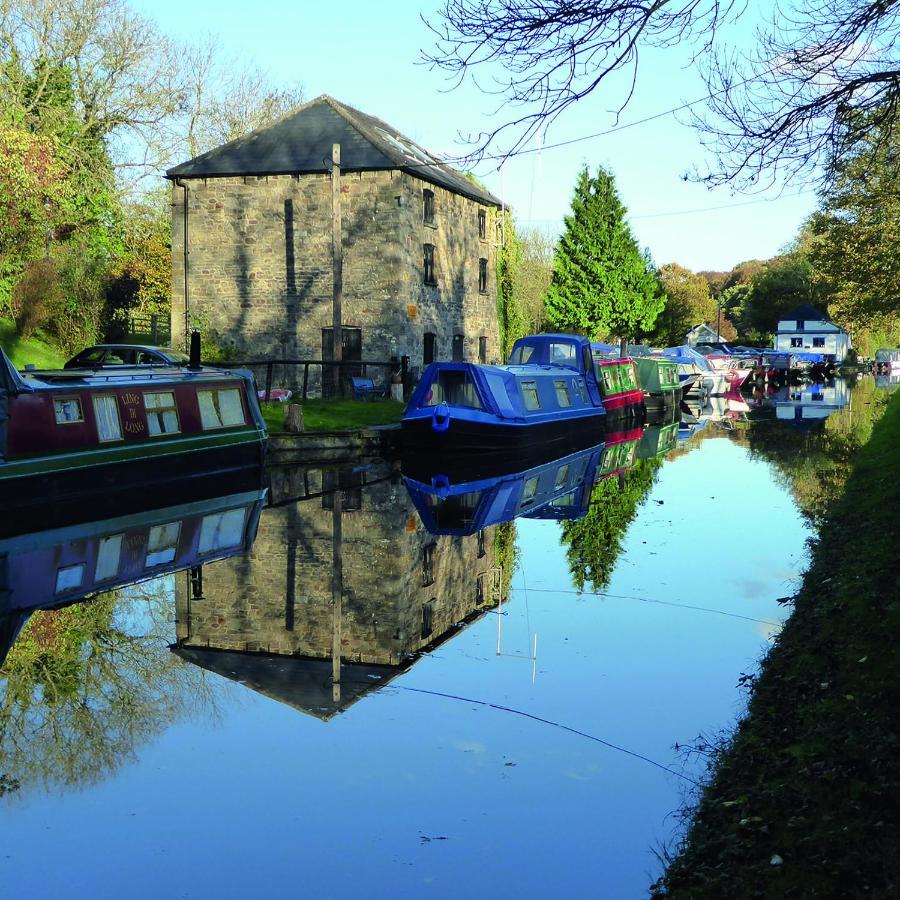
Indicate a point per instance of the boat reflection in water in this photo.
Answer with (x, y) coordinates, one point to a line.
(45, 567)
(344, 590)
(462, 503)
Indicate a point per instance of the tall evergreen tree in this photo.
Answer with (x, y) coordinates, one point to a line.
(602, 283)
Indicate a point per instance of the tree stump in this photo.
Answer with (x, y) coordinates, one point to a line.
(293, 418)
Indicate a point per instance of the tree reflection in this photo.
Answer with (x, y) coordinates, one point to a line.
(814, 463)
(594, 542)
(84, 686)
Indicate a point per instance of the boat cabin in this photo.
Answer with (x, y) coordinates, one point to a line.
(72, 421)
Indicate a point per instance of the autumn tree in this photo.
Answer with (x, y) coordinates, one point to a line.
(602, 284)
(854, 239)
(688, 303)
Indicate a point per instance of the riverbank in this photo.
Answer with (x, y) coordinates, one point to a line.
(336, 415)
(803, 800)
(36, 350)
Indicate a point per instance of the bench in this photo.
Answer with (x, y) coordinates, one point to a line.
(364, 388)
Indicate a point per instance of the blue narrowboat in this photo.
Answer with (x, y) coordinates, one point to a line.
(547, 395)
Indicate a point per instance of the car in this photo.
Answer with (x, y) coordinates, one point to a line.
(101, 356)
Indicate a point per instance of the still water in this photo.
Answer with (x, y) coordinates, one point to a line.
(513, 703)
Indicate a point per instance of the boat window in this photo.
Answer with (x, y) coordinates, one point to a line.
(109, 552)
(579, 389)
(562, 476)
(68, 411)
(453, 388)
(567, 500)
(563, 355)
(162, 544)
(162, 415)
(220, 409)
(69, 577)
(530, 395)
(521, 354)
(222, 531)
(106, 412)
(456, 511)
(529, 490)
(562, 393)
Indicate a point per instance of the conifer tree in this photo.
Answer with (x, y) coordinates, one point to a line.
(602, 283)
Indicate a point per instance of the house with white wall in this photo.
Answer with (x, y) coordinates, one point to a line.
(808, 330)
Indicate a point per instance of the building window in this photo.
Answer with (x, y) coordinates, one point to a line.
(818, 342)
(482, 276)
(429, 263)
(428, 201)
(482, 349)
(68, 411)
(479, 590)
(162, 415)
(220, 409)
(800, 324)
(428, 348)
(796, 342)
(106, 412)
(481, 550)
(428, 618)
(482, 224)
(530, 395)
(457, 348)
(428, 565)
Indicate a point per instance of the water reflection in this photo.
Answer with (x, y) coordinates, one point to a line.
(336, 584)
(341, 592)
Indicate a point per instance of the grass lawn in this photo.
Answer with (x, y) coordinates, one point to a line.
(336, 415)
(36, 349)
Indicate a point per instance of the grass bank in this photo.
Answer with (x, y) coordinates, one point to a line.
(36, 349)
(336, 415)
(804, 800)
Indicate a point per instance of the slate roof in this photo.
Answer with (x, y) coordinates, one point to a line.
(299, 682)
(300, 143)
(804, 313)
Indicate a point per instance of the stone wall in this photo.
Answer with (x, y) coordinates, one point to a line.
(260, 267)
(277, 599)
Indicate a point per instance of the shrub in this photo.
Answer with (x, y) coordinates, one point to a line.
(36, 295)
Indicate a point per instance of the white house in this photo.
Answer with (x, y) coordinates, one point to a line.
(702, 334)
(807, 330)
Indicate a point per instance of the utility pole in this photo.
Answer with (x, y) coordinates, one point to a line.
(337, 590)
(719, 318)
(337, 266)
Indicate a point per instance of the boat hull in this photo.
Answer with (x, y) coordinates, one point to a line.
(466, 436)
(126, 476)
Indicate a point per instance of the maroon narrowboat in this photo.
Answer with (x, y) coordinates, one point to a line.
(87, 430)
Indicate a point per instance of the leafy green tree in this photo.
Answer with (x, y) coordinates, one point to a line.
(787, 282)
(688, 303)
(602, 285)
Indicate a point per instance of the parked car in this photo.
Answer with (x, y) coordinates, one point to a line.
(103, 355)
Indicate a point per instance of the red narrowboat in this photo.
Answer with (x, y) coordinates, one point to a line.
(80, 431)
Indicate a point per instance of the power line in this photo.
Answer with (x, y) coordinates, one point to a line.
(687, 212)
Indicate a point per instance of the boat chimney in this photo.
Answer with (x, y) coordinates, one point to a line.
(194, 362)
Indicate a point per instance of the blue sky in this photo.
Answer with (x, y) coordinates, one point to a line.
(368, 55)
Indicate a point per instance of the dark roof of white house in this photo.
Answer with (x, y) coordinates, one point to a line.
(804, 313)
(301, 141)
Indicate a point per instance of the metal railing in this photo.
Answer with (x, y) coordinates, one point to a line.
(361, 368)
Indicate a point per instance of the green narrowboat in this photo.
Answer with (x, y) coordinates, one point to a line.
(658, 378)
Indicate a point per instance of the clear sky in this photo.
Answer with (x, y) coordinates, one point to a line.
(367, 54)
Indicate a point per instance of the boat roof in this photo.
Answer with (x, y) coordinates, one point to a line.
(120, 377)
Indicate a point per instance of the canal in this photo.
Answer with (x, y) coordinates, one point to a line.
(531, 664)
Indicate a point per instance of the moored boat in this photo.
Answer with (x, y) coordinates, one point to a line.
(548, 395)
(79, 431)
(691, 363)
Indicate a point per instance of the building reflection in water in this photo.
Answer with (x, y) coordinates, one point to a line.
(342, 591)
(809, 403)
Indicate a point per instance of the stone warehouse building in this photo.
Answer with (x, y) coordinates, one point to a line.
(252, 245)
